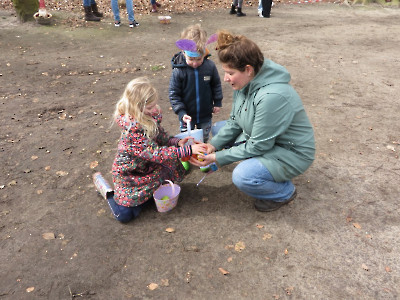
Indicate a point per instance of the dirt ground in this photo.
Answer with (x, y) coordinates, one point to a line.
(340, 239)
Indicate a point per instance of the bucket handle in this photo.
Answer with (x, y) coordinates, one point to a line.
(172, 186)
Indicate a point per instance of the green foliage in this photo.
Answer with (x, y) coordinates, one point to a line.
(26, 9)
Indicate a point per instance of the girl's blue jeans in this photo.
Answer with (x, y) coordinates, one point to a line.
(254, 179)
(123, 214)
(129, 9)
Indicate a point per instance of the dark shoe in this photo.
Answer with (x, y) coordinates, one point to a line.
(96, 11)
(158, 4)
(89, 16)
(239, 12)
(154, 8)
(133, 24)
(233, 10)
(265, 206)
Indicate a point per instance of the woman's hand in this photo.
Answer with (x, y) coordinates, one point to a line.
(203, 160)
(210, 148)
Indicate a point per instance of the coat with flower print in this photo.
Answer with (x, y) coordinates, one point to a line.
(142, 164)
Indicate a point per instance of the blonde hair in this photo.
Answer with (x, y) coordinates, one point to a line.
(237, 51)
(196, 34)
(138, 93)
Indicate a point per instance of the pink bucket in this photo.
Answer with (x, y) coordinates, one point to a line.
(170, 190)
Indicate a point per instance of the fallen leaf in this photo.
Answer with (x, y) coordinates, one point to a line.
(49, 235)
(365, 267)
(62, 173)
(239, 246)
(101, 212)
(224, 272)
(13, 182)
(349, 219)
(152, 286)
(47, 168)
(30, 289)
(204, 199)
(267, 236)
(259, 226)
(356, 225)
(39, 192)
(229, 259)
(34, 157)
(286, 252)
(94, 164)
(170, 230)
(388, 269)
(164, 282)
(289, 290)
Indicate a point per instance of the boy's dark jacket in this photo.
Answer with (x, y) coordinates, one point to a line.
(194, 91)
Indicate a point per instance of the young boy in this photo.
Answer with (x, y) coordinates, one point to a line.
(195, 89)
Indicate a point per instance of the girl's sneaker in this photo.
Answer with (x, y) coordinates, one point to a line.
(133, 24)
(117, 23)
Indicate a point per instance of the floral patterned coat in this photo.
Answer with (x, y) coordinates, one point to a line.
(142, 164)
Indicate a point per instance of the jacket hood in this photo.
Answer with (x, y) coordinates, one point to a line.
(179, 61)
(270, 73)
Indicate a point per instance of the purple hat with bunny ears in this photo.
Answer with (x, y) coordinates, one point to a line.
(189, 46)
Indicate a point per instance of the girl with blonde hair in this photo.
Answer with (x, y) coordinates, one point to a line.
(147, 155)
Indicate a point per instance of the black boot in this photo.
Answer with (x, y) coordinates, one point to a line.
(96, 11)
(233, 10)
(239, 12)
(89, 16)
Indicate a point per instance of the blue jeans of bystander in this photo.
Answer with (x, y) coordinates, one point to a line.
(129, 9)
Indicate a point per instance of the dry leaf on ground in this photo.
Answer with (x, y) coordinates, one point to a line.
(356, 225)
(49, 235)
(224, 272)
(152, 286)
(62, 173)
(239, 246)
(267, 236)
(170, 230)
(94, 164)
(365, 267)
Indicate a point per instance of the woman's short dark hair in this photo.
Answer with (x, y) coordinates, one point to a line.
(237, 51)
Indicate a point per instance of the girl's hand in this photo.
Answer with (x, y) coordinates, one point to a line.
(183, 141)
(199, 148)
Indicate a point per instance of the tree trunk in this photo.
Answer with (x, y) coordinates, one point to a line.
(26, 9)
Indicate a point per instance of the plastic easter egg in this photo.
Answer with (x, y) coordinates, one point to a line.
(186, 165)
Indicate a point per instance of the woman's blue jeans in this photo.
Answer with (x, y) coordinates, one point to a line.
(254, 179)
(129, 9)
(123, 214)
